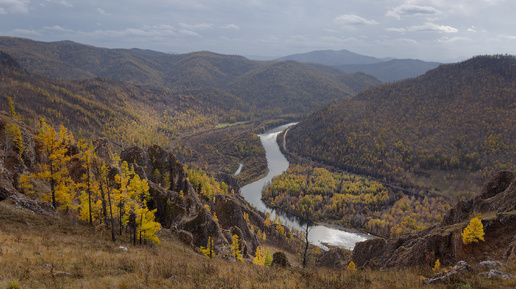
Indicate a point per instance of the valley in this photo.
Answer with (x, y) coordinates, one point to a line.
(107, 149)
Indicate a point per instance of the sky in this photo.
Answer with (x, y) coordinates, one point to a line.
(432, 30)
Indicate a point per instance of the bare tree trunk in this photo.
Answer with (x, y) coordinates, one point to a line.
(306, 245)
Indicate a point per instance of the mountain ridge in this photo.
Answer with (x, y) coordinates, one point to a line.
(185, 73)
(385, 69)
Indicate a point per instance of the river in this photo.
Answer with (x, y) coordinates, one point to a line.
(318, 234)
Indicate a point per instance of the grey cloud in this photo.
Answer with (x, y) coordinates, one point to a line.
(14, 6)
(353, 20)
(200, 26)
(412, 10)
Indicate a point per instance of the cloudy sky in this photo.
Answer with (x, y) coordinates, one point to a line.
(425, 29)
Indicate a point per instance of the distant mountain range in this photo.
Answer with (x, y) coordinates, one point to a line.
(234, 84)
(385, 69)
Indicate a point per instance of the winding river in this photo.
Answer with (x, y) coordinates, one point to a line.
(319, 235)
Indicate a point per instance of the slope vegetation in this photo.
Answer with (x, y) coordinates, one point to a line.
(231, 83)
(456, 121)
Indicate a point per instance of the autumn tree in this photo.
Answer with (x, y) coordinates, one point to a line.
(259, 258)
(208, 250)
(10, 105)
(351, 266)
(235, 248)
(474, 232)
(55, 146)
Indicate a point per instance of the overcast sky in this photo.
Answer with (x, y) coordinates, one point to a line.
(424, 29)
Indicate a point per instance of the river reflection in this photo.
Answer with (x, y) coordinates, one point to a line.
(278, 164)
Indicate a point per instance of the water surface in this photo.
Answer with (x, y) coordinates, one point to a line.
(278, 164)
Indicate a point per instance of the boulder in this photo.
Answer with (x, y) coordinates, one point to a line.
(460, 268)
(486, 265)
(495, 274)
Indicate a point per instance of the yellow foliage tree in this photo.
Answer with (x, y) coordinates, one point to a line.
(208, 250)
(474, 232)
(55, 170)
(351, 266)
(259, 258)
(437, 266)
(235, 248)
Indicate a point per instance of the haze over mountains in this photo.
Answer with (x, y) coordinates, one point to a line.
(385, 69)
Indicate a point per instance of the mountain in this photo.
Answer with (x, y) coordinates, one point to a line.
(392, 70)
(456, 122)
(97, 107)
(332, 58)
(222, 81)
(385, 69)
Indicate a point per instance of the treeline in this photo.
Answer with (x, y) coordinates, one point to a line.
(98, 191)
(352, 201)
(458, 117)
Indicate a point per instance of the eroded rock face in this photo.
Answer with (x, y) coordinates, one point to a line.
(178, 207)
(231, 215)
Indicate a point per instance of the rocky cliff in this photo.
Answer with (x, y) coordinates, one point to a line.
(497, 205)
(178, 206)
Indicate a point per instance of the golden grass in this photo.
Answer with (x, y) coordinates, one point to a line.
(59, 252)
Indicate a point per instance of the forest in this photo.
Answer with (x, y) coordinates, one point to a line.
(447, 130)
(352, 201)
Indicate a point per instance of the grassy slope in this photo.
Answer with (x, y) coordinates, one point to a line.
(58, 252)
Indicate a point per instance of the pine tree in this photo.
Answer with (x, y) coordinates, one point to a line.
(235, 248)
(55, 170)
(208, 250)
(259, 258)
(10, 105)
(13, 136)
(351, 266)
(268, 258)
(474, 232)
(437, 266)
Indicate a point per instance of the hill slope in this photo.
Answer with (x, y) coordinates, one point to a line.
(211, 77)
(392, 70)
(456, 118)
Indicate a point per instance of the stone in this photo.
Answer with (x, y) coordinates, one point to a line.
(495, 274)
(185, 236)
(461, 267)
(486, 265)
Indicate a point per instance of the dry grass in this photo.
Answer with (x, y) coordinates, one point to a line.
(58, 252)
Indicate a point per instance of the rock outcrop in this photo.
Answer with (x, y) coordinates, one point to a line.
(334, 258)
(496, 202)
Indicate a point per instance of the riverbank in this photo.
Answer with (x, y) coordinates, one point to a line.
(278, 164)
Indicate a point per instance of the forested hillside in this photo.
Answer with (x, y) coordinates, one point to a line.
(128, 114)
(456, 122)
(125, 113)
(244, 89)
